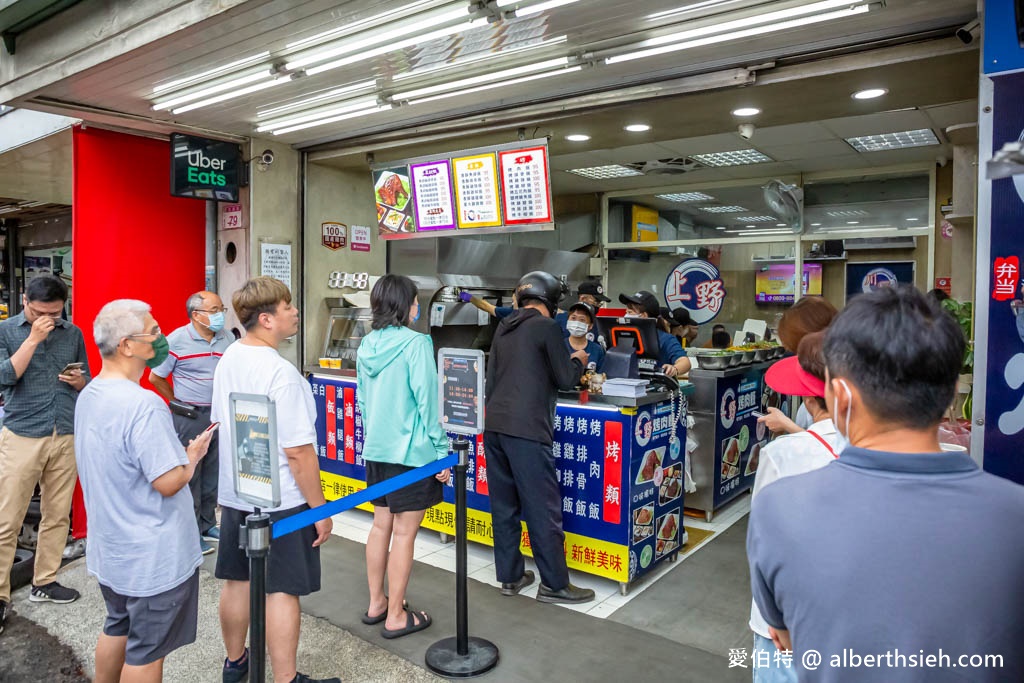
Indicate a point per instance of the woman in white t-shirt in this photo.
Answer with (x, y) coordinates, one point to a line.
(801, 375)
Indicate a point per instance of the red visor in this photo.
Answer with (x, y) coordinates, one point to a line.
(787, 377)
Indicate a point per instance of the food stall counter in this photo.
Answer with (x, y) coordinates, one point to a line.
(619, 462)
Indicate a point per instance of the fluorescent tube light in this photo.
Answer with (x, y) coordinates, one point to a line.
(484, 78)
(9, 209)
(224, 97)
(317, 115)
(171, 103)
(760, 233)
(333, 119)
(577, 137)
(476, 59)
(514, 81)
(331, 94)
(347, 29)
(408, 42)
(689, 9)
(378, 38)
(30, 204)
(534, 9)
(735, 35)
(208, 74)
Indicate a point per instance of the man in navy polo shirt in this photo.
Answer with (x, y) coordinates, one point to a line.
(195, 350)
(897, 551)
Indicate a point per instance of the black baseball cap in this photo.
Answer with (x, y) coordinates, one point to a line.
(645, 300)
(594, 289)
(586, 308)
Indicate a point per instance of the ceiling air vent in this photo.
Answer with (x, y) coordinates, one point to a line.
(671, 166)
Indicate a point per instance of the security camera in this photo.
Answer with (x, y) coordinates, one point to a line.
(969, 32)
(267, 157)
(747, 130)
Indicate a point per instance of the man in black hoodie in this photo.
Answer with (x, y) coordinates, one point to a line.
(528, 365)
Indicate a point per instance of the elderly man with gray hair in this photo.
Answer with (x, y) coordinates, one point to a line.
(195, 350)
(143, 542)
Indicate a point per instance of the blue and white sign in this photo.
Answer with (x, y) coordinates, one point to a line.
(696, 285)
(862, 278)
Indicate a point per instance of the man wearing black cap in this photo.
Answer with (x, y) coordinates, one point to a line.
(671, 358)
(592, 293)
(527, 367)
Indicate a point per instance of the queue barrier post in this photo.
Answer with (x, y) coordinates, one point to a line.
(462, 656)
(256, 541)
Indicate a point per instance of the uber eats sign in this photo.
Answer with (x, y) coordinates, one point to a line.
(204, 169)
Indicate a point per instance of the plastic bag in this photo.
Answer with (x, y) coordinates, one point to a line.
(955, 433)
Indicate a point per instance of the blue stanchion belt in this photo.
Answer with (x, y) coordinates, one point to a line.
(314, 515)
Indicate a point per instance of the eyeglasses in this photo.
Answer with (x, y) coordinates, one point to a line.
(145, 334)
(222, 309)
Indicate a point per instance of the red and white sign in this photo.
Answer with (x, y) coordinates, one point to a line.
(360, 238)
(945, 284)
(1005, 278)
(333, 235)
(525, 186)
(231, 217)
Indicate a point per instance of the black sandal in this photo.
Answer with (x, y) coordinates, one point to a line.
(410, 625)
(372, 621)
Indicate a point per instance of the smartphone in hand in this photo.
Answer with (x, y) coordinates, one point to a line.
(211, 427)
(71, 367)
(757, 413)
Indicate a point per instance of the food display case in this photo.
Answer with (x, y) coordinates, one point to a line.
(346, 327)
(726, 429)
(619, 462)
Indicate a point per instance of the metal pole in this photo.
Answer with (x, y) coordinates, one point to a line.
(461, 562)
(257, 537)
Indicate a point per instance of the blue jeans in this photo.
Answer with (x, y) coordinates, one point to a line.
(774, 672)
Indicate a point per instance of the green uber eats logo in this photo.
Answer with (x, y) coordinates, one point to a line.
(202, 169)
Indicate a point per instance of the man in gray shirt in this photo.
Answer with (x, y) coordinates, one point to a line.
(143, 542)
(43, 366)
(897, 561)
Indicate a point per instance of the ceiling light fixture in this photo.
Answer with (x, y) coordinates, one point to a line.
(689, 9)
(430, 20)
(720, 227)
(888, 141)
(605, 172)
(757, 219)
(869, 94)
(913, 219)
(9, 209)
(333, 119)
(476, 59)
(853, 222)
(181, 82)
(534, 9)
(224, 97)
(484, 78)
(740, 157)
(763, 233)
(638, 128)
(30, 204)
(501, 84)
(746, 111)
(408, 42)
(847, 213)
(714, 33)
(815, 225)
(329, 95)
(225, 86)
(577, 137)
(723, 209)
(363, 24)
(317, 115)
(686, 197)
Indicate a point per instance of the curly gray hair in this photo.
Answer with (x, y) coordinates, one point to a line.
(117, 320)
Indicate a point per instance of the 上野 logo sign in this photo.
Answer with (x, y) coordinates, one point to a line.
(696, 285)
(878, 277)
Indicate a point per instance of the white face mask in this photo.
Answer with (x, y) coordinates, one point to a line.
(842, 440)
(577, 328)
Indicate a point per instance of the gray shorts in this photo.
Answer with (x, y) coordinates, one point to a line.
(155, 625)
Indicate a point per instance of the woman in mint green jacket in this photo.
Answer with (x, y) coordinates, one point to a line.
(397, 395)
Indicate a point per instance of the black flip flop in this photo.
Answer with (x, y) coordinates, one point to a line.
(372, 621)
(410, 625)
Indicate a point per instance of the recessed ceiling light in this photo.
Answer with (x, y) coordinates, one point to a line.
(683, 197)
(638, 128)
(738, 157)
(869, 94)
(746, 111)
(886, 141)
(815, 225)
(605, 172)
(720, 227)
(723, 209)
(757, 219)
(577, 137)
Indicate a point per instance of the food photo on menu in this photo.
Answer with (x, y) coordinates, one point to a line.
(668, 533)
(671, 484)
(643, 523)
(394, 202)
(651, 465)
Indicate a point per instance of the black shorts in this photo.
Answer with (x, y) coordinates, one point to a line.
(155, 625)
(293, 565)
(417, 496)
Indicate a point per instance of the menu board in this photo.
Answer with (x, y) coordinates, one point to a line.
(432, 196)
(461, 380)
(394, 200)
(476, 191)
(524, 182)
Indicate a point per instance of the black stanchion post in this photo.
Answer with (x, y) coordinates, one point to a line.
(461, 656)
(257, 540)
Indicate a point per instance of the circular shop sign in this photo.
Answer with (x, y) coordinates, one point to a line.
(696, 285)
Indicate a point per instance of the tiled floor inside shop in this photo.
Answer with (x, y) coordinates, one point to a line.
(355, 526)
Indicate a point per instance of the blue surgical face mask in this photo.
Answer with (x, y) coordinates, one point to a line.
(216, 321)
(417, 317)
(842, 440)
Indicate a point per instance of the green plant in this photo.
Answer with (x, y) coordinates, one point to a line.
(962, 312)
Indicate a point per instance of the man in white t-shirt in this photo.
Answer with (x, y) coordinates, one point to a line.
(254, 366)
(801, 375)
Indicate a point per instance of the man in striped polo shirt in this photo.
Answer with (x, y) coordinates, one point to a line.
(195, 350)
